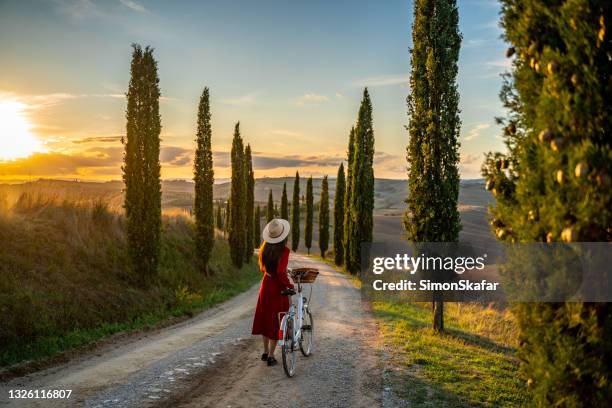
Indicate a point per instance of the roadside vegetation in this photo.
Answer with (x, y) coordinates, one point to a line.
(65, 281)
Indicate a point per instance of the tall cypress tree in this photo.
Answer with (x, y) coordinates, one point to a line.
(203, 176)
(257, 228)
(250, 202)
(324, 217)
(227, 218)
(141, 167)
(219, 216)
(237, 227)
(339, 216)
(433, 148)
(347, 197)
(270, 207)
(553, 184)
(309, 214)
(295, 214)
(284, 204)
(361, 206)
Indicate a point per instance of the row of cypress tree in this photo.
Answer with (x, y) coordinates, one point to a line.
(354, 198)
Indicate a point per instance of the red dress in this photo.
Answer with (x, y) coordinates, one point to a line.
(270, 302)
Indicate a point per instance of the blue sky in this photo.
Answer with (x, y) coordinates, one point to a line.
(291, 72)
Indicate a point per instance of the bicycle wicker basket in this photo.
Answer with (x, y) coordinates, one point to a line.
(304, 275)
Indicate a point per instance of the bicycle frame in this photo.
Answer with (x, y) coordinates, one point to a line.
(298, 317)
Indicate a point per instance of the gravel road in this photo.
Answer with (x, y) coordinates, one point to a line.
(213, 361)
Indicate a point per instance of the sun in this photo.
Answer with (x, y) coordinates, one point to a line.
(16, 138)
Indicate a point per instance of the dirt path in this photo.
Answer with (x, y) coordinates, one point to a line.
(213, 361)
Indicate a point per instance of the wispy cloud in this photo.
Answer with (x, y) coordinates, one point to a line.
(283, 132)
(244, 100)
(469, 158)
(98, 139)
(383, 80)
(311, 98)
(132, 5)
(476, 130)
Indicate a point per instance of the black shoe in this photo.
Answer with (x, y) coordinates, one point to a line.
(264, 357)
(272, 361)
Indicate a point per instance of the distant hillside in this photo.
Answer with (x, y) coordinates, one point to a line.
(389, 194)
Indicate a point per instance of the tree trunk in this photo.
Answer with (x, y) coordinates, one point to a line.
(438, 316)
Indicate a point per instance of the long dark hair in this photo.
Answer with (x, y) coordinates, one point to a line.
(271, 255)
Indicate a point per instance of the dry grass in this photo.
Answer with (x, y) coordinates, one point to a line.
(64, 270)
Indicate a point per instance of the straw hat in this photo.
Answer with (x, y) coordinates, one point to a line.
(276, 231)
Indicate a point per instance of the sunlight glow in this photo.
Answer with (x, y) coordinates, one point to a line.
(16, 138)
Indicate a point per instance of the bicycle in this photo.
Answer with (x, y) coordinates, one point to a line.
(296, 327)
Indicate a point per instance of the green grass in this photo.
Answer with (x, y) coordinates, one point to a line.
(65, 281)
(472, 364)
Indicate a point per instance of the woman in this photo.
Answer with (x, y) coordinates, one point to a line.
(273, 260)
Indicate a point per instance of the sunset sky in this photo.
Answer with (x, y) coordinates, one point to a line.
(292, 73)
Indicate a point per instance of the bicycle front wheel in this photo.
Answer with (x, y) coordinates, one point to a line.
(307, 339)
(289, 349)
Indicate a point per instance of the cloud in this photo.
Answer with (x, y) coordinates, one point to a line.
(311, 98)
(339, 95)
(383, 80)
(282, 132)
(469, 158)
(389, 164)
(244, 100)
(176, 156)
(132, 5)
(475, 131)
(99, 139)
(63, 164)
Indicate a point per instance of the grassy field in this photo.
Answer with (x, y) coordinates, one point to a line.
(472, 364)
(65, 280)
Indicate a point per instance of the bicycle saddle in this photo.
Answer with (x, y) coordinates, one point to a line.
(288, 292)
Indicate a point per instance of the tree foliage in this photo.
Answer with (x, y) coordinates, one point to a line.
(339, 216)
(324, 217)
(203, 176)
(309, 214)
(257, 228)
(250, 202)
(553, 183)
(295, 214)
(346, 240)
(361, 203)
(141, 166)
(433, 127)
(270, 207)
(284, 204)
(237, 226)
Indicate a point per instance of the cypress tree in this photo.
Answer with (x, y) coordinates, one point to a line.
(284, 204)
(339, 217)
(270, 207)
(250, 203)
(309, 214)
(257, 228)
(553, 184)
(324, 217)
(237, 227)
(141, 167)
(361, 206)
(227, 219)
(204, 180)
(219, 216)
(295, 214)
(347, 197)
(433, 148)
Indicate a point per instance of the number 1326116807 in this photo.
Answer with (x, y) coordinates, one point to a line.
(39, 394)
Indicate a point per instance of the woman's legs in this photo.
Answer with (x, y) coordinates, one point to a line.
(266, 342)
(272, 346)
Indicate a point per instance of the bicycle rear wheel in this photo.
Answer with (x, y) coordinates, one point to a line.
(307, 339)
(289, 349)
